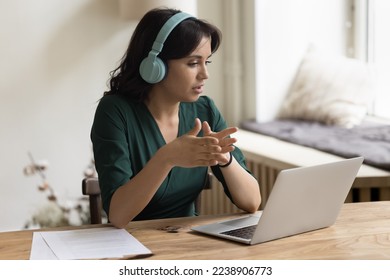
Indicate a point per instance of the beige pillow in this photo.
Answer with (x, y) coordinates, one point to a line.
(334, 90)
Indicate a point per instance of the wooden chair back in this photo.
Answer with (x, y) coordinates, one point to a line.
(90, 187)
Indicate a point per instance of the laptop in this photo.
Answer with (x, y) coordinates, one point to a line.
(302, 199)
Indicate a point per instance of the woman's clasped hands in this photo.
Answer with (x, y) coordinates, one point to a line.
(211, 149)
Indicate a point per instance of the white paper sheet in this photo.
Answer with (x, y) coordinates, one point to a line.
(95, 243)
(40, 250)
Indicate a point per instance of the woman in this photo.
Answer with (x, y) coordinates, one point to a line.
(155, 137)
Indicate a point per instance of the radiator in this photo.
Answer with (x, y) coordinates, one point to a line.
(214, 200)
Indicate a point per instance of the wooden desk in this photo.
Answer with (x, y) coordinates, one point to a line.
(362, 231)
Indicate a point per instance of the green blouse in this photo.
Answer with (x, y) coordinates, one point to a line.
(125, 136)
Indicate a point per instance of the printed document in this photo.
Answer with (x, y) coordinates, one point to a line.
(94, 243)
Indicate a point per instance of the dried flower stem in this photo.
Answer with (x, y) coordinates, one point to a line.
(36, 167)
(46, 185)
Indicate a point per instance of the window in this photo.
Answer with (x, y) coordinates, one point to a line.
(373, 18)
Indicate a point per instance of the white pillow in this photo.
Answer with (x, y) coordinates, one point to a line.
(334, 90)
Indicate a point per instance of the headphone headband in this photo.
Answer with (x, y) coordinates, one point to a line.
(152, 68)
(167, 28)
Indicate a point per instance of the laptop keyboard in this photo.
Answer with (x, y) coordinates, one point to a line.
(244, 232)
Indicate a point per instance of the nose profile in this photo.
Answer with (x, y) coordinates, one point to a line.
(203, 73)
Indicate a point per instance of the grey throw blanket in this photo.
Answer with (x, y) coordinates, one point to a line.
(370, 140)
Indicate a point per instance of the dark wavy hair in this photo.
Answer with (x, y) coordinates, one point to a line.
(126, 80)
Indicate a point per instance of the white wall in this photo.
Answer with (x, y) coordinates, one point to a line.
(285, 28)
(55, 58)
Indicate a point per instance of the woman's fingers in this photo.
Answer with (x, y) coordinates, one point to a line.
(196, 129)
(208, 150)
(225, 133)
(206, 128)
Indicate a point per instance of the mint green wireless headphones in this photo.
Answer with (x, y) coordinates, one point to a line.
(152, 69)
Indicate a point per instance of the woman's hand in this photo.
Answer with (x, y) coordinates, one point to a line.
(191, 151)
(243, 187)
(225, 142)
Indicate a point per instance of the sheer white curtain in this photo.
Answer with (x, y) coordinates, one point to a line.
(239, 62)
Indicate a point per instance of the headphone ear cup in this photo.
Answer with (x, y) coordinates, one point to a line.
(152, 69)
